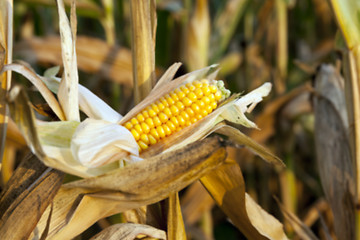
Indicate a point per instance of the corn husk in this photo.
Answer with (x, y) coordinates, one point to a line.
(68, 90)
(129, 231)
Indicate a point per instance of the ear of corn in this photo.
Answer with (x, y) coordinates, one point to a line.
(176, 110)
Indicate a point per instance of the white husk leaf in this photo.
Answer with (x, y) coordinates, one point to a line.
(89, 103)
(97, 142)
(68, 90)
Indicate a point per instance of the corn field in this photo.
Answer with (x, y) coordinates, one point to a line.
(172, 119)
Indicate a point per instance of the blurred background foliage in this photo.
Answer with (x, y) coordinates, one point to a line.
(281, 41)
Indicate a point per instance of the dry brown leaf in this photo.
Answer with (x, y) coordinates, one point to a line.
(26, 196)
(300, 228)
(136, 185)
(226, 185)
(129, 231)
(333, 149)
(93, 56)
(40, 85)
(198, 37)
(175, 223)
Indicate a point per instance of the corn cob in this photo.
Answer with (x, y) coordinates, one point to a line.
(176, 110)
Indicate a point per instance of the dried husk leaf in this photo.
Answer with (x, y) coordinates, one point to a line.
(26, 196)
(38, 83)
(333, 150)
(93, 106)
(68, 90)
(93, 56)
(238, 137)
(131, 187)
(129, 231)
(226, 186)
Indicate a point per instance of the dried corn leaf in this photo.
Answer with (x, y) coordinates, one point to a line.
(26, 196)
(38, 83)
(226, 185)
(333, 150)
(68, 90)
(6, 43)
(129, 231)
(136, 185)
(224, 26)
(197, 45)
(175, 223)
(93, 56)
(303, 231)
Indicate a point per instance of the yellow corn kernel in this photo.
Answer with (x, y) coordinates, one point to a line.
(174, 121)
(181, 94)
(145, 127)
(169, 99)
(152, 113)
(152, 140)
(128, 125)
(189, 111)
(163, 117)
(160, 106)
(138, 128)
(167, 111)
(171, 125)
(211, 97)
(208, 108)
(149, 122)
(174, 96)
(145, 114)
(174, 110)
(213, 105)
(186, 101)
(191, 96)
(140, 117)
(213, 88)
(197, 84)
(218, 95)
(163, 101)
(135, 134)
(160, 131)
(198, 92)
(185, 115)
(191, 88)
(206, 90)
(134, 121)
(144, 138)
(181, 120)
(180, 105)
(200, 103)
(167, 130)
(142, 145)
(206, 100)
(195, 107)
(184, 89)
(157, 121)
(155, 134)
